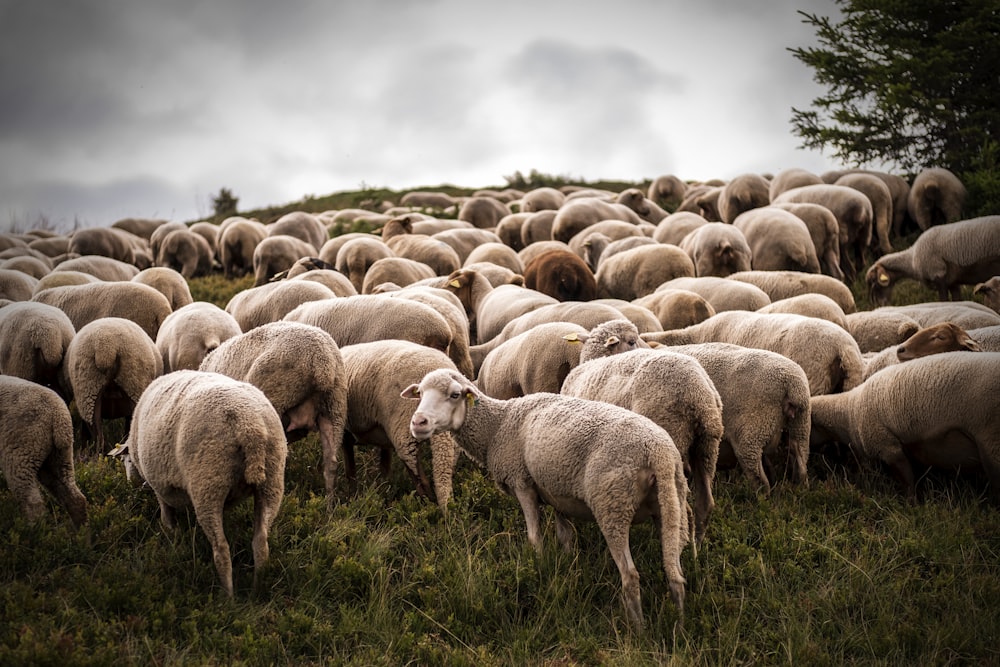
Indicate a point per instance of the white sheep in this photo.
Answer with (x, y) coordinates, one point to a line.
(671, 389)
(301, 371)
(935, 339)
(36, 448)
(237, 243)
(827, 353)
(83, 304)
(503, 304)
(673, 228)
(722, 294)
(577, 214)
(812, 305)
(778, 240)
(966, 314)
(302, 225)
(783, 284)
(717, 249)
(401, 237)
(16, 286)
(742, 193)
(942, 410)
(537, 360)
(207, 440)
(270, 302)
(988, 338)
(637, 272)
(464, 240)
(104, 268)
(875, 330)
(191, 332)
(542, 199)
(109, 363)
(185, 252)
(677, 308)
(943, 258)
(274, 254)
(667, 190)
(167, 282)
(586, 459)
(376, 374)
(990, 291)
(878, 192)
(482, 212)
(60, 278)
(538, 227)
(936, 197)
(357, 255)
(824, 231)
(34, 338)
(399, 270)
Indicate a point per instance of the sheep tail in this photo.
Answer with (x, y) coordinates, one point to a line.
(255, 455)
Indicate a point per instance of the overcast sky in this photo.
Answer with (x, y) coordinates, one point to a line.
(142, 108)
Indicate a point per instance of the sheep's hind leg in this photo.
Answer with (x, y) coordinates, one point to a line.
(614, 526)
(210, 521)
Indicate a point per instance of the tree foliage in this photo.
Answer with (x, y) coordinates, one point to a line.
(225, 203)
(910, 83)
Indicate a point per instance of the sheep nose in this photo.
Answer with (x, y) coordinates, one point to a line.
(419, 420)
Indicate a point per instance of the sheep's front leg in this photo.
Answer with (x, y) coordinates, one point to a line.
(564, 531)
(527, 496)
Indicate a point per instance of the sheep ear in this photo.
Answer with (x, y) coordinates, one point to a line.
(413, 391)
(611, 341)
(971, 345)
(982, 288)
(120, 450)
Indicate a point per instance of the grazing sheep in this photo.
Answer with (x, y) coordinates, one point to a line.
(270, 302)
(185, 252)
(104, 241)
(32, 266)
(880, 196)
(537, 360)
(703, 200)
(878, 329)
(376, 374)
(721, 293)
(640, 316)
(966, 314)
(464, 241)
(810, 305)
(783, 284)
(941, 411)
(717, 249)
(647, 209)
(677, 308)
(578, 214)
(935, 339)
(336, 282)
(210, 232)
(357, 255)
(160, 233)
(637, 272)
(425, 199)
(826, 352)
(399, 270)
(936, 197)
(237, 243)
(133, 301)
(854, 214)
(16, 286)
(673, 228)
(34, 338)
(102, 268)
(667, 191)
(301, 371)
(59, 278)
(535, 249)
(562, 275)
(765, 397)
(509, 231)
(786, 179)
(191, 332)
(143, 227)
(470, 286)
(482, 212)
(742, 193)
(495, 275)
(109, 363)
(274, 254)
(52, 246)
(36, 448)
(824, 230)
(303, 226)
(599, 246)
(586, 459)
(990, 291)
(671, 389)
(778, 241)
(944, 258)
(399, 235)
(167, 282)
(207, 440)
(538, 227)
(503, 304)
(496, 253)
(542, 199)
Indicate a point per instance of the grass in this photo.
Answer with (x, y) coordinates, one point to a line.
(845, 571)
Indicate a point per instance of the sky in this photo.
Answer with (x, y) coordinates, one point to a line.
(139, 108)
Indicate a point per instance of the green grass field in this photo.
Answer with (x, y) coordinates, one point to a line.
(845, 571)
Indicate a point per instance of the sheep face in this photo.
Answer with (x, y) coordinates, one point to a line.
(132, 473)
(880, 280)
(943, 337)
(445, 397)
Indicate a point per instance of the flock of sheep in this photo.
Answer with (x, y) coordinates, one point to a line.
(602, 353)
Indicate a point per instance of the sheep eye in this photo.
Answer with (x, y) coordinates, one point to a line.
(455, 395)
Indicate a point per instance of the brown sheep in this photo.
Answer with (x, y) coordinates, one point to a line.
(990, 290)
(742, 193)
(562, 275)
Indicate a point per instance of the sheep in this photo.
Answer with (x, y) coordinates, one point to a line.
(826, 352)
(667, 191)
(508, 230)
(37, 448)
(185, 252)
(532, 251)
(133, 301)
(966, 314)
(52, 246)
(301, 371)
(537, 360)
(637, 272)
(538, 227)
(641, 317)
(470, 286)
(672, 390)
(764, 395)
(942, 410)
(717, 249)
(496, 253)
(103, 268)
(880, 195)
(990, 291)
(207, 440)
(160, 233)
(304, 226)
(935, 339)
(482, 212)
(336, 282)
(587, 459)
(357, 255)
(721, 293)
(16, 286)
(824, 230)
(854, 214)
(878, 329)
(32, 266)
(104, 241)
(503, 304)
(677, 308)
(33, 342)
(399, 235)
(562, 275)
(647, 209)
(399, 270)
(59, 278)
(783, 284)
(811, 305)
(613, 230)
(495, 275)
(786, 179)
(778, 240)
(109, 363)
(369, 317)
(143, 227)
(429, 226)
(464, 241)
(167, 282)
(944, 258)
(424, 199)
(210, 232)
(702, 199)
(376, 373)
(237, 243)
(576, 215)
(936, 197)
(270, 302)
(274, 254)
(599, 246)
(191, 332)
(742, 193)
(673, 228)
(988, 338)
(542, 199)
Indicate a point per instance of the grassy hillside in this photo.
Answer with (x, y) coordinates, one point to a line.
(844, 571)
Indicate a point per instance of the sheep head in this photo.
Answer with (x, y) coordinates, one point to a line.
(942, 337)
(445, 398)
(880, 281)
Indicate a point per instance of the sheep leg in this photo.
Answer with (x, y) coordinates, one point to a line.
(98, 424)
(328, 441)
(701, 483)
(210, 521)
(901, 470)
(265, 509)
(167, 517)
(56, 474)
(614, 526)
(443, 458)
(564, 531)
(23, 484)
(751, 458)
(409, 454)
(527, 496)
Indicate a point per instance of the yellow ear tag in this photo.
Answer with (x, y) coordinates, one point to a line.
(883, 279)
(455, 283)
(572, 338)
(471, 399)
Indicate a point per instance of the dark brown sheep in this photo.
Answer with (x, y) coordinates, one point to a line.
(562, 275)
